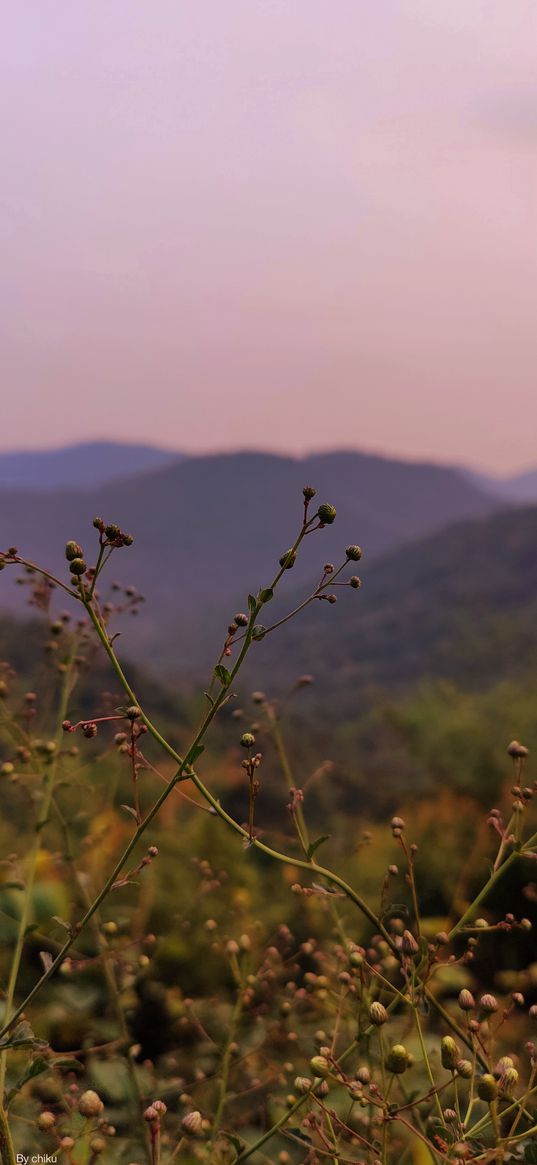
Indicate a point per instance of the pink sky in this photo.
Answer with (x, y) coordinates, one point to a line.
(293, 224)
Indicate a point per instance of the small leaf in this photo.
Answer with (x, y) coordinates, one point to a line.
(252, 602)
(22, 1037)
(314, 845)
(62, 922)
(238, 1145)
(265, 595)
(209, 697)
(195, 752)
(129, 809)
(222, 674)
(35, 1068)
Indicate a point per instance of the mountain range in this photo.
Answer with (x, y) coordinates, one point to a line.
(94, 463)
(449, 569)
(207, 530)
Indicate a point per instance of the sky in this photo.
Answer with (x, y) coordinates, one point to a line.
(282, 224)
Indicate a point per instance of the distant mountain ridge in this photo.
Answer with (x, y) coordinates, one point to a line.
(209, 529)
(82, 466)
(90, 464)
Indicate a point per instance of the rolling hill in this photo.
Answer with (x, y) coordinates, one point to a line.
(460, 604)
(209, 529)
(84, 466)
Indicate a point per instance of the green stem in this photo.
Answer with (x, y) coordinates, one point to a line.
(427, 1062)
(226, 1064)
(7, 1153)
(33, 857)
(483, 893)
(298, 812)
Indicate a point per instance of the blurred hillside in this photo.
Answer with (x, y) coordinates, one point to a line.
(209, 529)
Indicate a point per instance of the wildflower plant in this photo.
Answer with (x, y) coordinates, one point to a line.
(338, 1035)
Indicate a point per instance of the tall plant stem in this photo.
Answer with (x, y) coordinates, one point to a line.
(34, 855)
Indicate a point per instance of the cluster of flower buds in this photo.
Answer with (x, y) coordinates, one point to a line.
(112, 535)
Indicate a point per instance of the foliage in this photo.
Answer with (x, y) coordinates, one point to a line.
(210, 960)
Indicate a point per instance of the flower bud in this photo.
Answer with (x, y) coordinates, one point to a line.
(302, 1085)
(241, 619)
(466, 1000)
(320, 1066)
(409, 945)
(449, 1052)
(288, 559)
(517, 750)
(488, 1003)
(97, 1145)
(46, 1121)
(355, 582)
(487, 1088)
(77, 566)
(309, 492)
(326, 514)
(464, 1069)
(354, 553)
(192, 1124)
(90, 1104)
(247, 740)
(378, 1014)
(397, 1059)
(73, 550)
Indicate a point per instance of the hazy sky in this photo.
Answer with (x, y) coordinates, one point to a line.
(280, 223)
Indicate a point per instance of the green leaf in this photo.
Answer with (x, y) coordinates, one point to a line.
(265, 595)
(22, 1037)
(222, 674)
(68, 1062)
(238, 1145)
(35, 1068)
(252, 602)
(314, 845)
(195, 752)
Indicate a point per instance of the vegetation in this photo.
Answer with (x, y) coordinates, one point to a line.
(193, 969)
